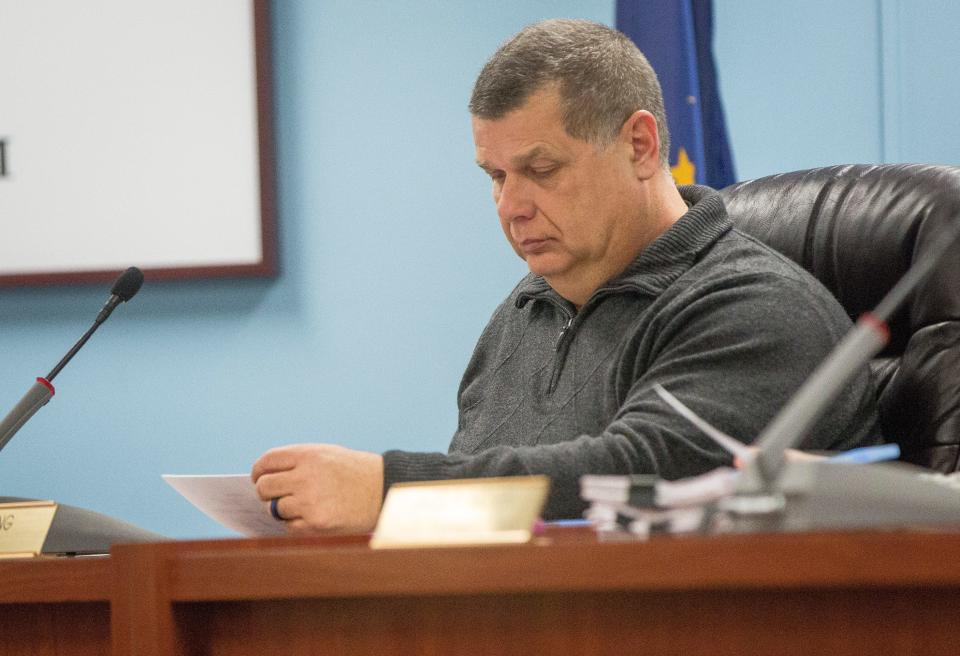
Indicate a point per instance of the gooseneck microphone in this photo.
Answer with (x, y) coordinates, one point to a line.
(126, 286)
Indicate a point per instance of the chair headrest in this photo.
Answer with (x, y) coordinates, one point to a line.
(858, 228)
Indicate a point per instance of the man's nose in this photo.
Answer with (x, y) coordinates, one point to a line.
(515, 201)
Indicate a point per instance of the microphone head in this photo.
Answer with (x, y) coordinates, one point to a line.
(128, 284)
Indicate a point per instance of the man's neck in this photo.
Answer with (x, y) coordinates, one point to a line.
(578, 287)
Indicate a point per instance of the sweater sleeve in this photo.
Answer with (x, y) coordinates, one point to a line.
(734, 354)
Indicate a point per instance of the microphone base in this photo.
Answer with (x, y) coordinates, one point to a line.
(832, 496)
(80, 532)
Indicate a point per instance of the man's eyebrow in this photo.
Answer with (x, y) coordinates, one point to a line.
(485, 166)
(520, 161)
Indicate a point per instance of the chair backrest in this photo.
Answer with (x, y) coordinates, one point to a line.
(858, 228)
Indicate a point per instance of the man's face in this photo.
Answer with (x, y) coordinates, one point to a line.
(565, 205)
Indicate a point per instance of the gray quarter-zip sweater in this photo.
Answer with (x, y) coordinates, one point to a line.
(729, 326)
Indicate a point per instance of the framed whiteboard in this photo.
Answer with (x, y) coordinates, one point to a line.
(135, 133)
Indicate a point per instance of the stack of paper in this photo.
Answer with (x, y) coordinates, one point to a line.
(640, 505)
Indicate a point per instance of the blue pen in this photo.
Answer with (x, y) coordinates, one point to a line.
(867, 454)
(569, 522)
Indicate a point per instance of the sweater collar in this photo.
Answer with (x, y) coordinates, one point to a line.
(667, 258)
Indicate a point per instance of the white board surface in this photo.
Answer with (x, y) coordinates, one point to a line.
(130, 136)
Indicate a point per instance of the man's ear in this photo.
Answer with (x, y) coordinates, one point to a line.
(640, 132)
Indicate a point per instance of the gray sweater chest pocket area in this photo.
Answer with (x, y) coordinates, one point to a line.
(497, 411)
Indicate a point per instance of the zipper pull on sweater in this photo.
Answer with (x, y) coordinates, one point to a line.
(563, 331)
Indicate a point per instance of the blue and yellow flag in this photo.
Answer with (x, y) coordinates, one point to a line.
(676, 36)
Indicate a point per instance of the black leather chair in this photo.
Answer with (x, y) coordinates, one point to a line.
(858, 228)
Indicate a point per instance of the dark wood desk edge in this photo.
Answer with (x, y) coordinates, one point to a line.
(56, 580)
(312, 568)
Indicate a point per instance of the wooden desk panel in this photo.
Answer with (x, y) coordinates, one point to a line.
(870, 592)
(688, 623)
(55, 607)
(51, 580)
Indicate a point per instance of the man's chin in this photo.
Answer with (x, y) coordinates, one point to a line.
(544, 266)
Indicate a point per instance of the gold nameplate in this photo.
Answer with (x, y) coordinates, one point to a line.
(24, 526)
(461, 512)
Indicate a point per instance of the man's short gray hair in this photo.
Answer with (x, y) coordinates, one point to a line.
(603, 79)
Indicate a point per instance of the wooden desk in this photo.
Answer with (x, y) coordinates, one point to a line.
(856, 593)
(55, 606)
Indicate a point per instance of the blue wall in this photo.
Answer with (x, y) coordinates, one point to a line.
(391, 253)
(822, 82)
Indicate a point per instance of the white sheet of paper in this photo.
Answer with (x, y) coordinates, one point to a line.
(230, 499)
(697, 490)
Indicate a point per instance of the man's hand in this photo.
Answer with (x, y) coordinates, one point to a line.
(322, 488)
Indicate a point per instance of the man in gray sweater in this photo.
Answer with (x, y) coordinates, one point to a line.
(632, 282)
